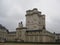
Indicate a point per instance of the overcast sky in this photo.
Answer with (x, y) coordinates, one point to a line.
(13, 11)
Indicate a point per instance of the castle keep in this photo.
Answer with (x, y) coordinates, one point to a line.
(34, 31)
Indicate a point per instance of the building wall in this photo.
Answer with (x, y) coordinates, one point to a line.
(3, 35)
(18, 33)
(39, 36)
(26, 44)
(57, 37)
(11, 37)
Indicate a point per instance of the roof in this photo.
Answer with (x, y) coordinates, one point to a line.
(12, 32)
(57, 33)
(2, 27)
(33, 30)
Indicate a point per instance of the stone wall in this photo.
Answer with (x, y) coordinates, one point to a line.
(25, 44)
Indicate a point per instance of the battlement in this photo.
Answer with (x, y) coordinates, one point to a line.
(33, 11)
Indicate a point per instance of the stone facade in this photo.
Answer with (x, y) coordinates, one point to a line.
(57, 37)
(34, 31)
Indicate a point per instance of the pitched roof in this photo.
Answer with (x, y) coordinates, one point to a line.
(12, 32)
(2, 27)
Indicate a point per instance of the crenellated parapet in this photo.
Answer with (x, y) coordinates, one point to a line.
(33, 11)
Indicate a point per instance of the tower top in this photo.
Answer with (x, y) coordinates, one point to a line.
(33, 11)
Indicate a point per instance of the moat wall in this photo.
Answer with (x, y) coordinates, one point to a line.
(26, 44)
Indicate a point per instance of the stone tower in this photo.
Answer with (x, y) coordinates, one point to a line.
(20, 32)
(35, 20)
